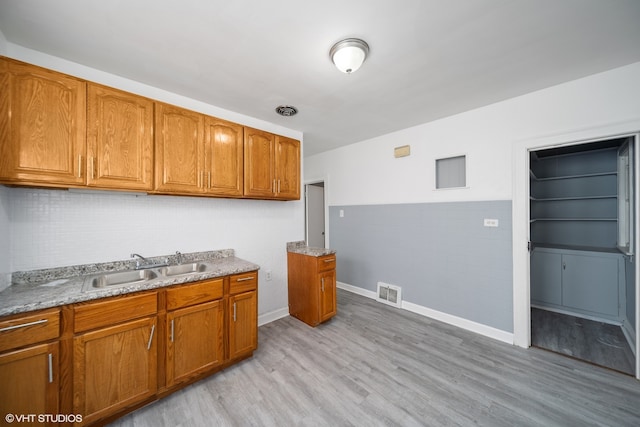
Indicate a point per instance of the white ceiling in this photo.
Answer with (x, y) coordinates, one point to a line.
(429, 58)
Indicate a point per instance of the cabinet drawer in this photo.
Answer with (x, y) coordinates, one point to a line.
(243, 282)
(117, 310)
(186, 295)
(326, 263)
(29, 329)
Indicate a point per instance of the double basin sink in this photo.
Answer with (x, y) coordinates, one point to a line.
(132, 277)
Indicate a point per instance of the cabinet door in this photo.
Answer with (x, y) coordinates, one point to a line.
(43, 125)
(259, 164)
(590, 283)
(224, 157)
(119, 139)
(243, 323)
(327, 295)
(179, 150)
(287, 168)
(195, 340)
(546, 277)
(113, 368)
(29, 380)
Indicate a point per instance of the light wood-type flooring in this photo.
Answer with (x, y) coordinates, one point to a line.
(375, 365)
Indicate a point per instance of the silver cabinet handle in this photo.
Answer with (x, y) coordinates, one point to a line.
(322, 281)
(329, 260)
(172, 329)
(50, 368)
(80, 166)
(209, 186)
(234, 311)
(278, 186)
(92, 166)
(244, 279)
(273, 186)
(153, 328)
(24, 325)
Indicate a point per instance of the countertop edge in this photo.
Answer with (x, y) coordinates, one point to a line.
(12, 299)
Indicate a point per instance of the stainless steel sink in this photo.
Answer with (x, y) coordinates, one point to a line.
(176, 270)
(120, 278)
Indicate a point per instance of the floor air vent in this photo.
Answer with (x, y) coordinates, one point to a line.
(390, 294)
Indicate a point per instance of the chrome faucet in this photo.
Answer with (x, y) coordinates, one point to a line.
(147, 263)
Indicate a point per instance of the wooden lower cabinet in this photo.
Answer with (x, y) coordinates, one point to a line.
(243, 320)
(114, 367)
(101, 359)
(195, 330)
(195, 340)
(30, 365)
(327, 295)
(29, 381)
(312, 287)
(242, 316)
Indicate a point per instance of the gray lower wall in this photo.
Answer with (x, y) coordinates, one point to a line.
(439, 253)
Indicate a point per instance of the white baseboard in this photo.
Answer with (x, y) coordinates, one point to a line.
(479, 328)
(356, 290)
(271, 316)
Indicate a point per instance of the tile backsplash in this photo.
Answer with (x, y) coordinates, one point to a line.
(55, 228)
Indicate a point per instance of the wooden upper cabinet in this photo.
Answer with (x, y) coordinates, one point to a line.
(179, 163)
(272, 166)
(119, 139)
(287, 166)
(42, 125)
(259, 163)
(224, 157)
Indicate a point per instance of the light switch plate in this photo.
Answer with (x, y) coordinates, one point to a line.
(488, 222)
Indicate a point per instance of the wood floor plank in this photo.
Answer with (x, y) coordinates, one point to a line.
(377, 365)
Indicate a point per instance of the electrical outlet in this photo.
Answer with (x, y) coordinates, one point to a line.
(490, 222)
(268, 275)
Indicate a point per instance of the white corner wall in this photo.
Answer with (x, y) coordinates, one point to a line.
(50, 228)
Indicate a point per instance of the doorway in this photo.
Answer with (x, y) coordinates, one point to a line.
(582, 246)
(315, 214)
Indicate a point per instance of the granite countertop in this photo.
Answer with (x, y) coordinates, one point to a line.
(35, 290)
(302, 248)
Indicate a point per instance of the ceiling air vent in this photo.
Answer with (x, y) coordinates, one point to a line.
(286, 110)
(390, 294)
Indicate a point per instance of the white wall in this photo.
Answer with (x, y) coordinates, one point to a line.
(5, 239)
(367, 172)
(50, 228)
(3, 44)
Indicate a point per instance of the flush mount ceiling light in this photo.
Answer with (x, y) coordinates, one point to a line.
(286, 110)
(349, 54)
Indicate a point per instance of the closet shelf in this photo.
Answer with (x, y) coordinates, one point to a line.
(575, 219)
(586, 175)
(561, 199)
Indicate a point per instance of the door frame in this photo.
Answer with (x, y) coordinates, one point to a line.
(318, 180)
(521, 214)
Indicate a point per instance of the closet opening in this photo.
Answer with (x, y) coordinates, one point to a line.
(582, 252)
